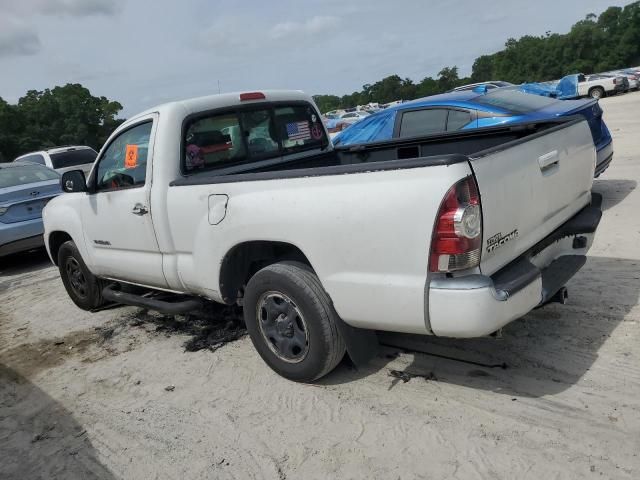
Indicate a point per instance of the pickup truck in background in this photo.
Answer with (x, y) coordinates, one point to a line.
(601, 85)
(242, 199)
(579, 85)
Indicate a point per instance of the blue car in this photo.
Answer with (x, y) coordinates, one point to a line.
(24, 191)
(476, 109)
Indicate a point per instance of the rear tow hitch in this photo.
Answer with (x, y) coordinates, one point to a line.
(561, 296)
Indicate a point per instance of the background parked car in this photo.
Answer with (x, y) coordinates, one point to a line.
(490, 85)
(598, 85)
(24, 191)
(62, 159)
(578, 85)
(453, 111)
(353, 117)
(632, 76)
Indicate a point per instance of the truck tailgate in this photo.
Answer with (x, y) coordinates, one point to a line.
(530, 187)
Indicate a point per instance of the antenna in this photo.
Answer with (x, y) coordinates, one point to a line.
(218, 86)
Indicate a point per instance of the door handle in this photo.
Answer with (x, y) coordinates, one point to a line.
(548, 160)
(139, 209)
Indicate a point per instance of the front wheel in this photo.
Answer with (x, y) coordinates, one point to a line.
(292, 322)
(596, 92)
(83, 287)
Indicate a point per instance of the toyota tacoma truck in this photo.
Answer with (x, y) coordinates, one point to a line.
(600, 85)
(242, 199)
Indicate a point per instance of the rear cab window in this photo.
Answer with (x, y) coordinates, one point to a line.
(246, 135)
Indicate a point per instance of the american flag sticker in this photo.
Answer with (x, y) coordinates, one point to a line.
(298, 131)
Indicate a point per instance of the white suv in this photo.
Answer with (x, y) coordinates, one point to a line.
(62, 159)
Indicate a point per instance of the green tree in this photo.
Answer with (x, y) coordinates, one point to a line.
(52, 117)
(327, 103)
(597, 43)
(10, 122)
(448, 78)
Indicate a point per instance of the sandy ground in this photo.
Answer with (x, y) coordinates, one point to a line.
(83, 395)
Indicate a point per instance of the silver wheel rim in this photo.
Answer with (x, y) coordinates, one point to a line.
(282, 327)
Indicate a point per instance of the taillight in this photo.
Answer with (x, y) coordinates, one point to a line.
(457, 236)
(615, 81)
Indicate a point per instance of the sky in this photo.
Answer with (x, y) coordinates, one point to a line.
(142, 53)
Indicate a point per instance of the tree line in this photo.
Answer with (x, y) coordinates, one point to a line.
(595, 44)
(70, 115)
(67, 115)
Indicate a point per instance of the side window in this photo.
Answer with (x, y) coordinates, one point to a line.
(213, 141)
(35, 158)
(423, 122)
(457, 119)
(124, 163)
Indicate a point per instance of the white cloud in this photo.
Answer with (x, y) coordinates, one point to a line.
(74, 8)
(81, 8)
(17, 38)
(313, 26)
(492, 17)
(222, 36)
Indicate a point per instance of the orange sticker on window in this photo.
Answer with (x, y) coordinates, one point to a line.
(131, 156)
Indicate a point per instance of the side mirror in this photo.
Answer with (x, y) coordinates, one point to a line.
(481, 89)
(73, 181)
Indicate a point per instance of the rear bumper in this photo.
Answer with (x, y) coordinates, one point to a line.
(20, 236)
(604, 158)
(477, 305)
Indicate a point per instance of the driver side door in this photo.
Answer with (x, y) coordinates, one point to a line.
(117, 216)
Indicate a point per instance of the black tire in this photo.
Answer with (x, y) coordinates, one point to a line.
(84, 288)
(597, 92)
(313, 314)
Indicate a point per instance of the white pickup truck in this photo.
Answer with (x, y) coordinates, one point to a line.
(601, 85)
(241, 198)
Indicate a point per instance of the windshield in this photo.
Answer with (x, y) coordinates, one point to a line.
(71, 158)
(514, 100)
(24, 174)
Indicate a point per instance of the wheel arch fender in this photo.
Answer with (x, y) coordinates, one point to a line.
(246, 258)
(62, 222)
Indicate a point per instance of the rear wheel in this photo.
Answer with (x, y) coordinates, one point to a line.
(596, 92)
(292, 322)
(84, 288)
